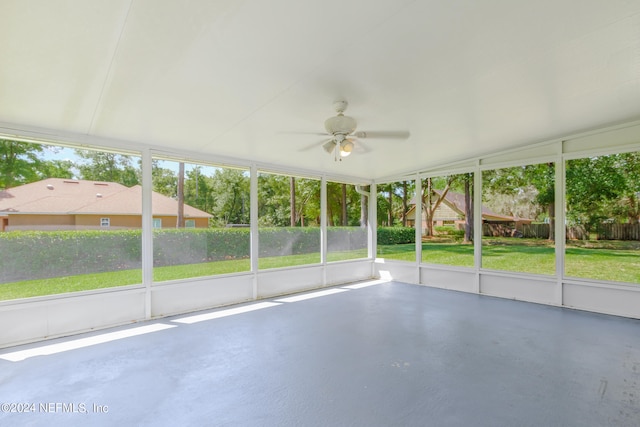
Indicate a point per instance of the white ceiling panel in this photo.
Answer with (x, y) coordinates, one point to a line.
(255, 80)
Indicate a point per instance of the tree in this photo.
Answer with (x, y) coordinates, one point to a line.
(390, 205)
(274, 200)
(432, 200)
(164, 180)
(364, 209)
(229, 191)
(292, 200)
(603, 188)
(197, 190)
(180, 216)
(542, 177)
(627, 209)
(19, 163)
(108, 167)
(468, 207)
(308, 202)
(343, 205)
(55, 169)
(513, 191)
(334, 204)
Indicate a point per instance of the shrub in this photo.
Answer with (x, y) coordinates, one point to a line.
(448, 230)
(28, 255)
(346, 238)
(396, 235)
(41, 254)
(280, 241)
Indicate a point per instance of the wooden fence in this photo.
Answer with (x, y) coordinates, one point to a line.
(541, 231)
(536, 231)
(619, 231)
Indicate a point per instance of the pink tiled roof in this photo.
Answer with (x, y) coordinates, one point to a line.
(67, 196)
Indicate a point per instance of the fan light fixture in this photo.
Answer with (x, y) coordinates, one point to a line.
(346, 147)
(341, 131)
(329, 146)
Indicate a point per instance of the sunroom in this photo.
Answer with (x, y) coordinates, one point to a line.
(301, 131)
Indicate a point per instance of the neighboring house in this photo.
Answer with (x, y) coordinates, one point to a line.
(67, 204)
(451, 212)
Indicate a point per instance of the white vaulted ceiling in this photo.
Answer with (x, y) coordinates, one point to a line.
(240, 78)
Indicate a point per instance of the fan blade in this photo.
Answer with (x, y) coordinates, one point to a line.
(303, 133)
(382, 134)
(314, 145)
(360, 147)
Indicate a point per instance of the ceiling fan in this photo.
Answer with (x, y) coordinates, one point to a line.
(343, 135)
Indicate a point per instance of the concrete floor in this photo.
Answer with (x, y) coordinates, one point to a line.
(390, 354)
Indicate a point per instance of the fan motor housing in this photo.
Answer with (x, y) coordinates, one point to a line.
(340, 124)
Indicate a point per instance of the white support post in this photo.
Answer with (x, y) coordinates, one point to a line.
(418, 224)
(253, 214)
(560, 229)
(147, 230)
(372, 225)
(323, 228)
(477, 223)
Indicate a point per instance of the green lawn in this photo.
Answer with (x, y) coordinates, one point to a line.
(622, 265)
(85, 282)
(615, 261)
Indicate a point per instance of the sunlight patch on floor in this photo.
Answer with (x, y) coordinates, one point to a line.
(45, 350)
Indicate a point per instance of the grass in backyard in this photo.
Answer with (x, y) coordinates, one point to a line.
(520, 255)
(611, 261)
(306, 259)
(176, 272)
(617, 261)
(457, 254)
(61, 285)
(85, 282)
(621, 265)
(402, 252)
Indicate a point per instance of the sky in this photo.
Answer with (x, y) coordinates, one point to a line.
(62, 153)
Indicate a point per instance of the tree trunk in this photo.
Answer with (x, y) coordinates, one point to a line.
(552, 221)
(364, 211)
(427, 194)
(180, 219)
(292, 192)
(429, 207)
(405, 203)
(344, 205)
(390, 211)
(468, 210)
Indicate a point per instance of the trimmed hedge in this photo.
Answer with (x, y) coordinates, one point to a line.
(26, 255)
(40, 254)
(189, 246)
(346, 238)
(396, 235)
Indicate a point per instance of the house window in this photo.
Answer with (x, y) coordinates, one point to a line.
(157, 223)
(190, 223)
(105, 222)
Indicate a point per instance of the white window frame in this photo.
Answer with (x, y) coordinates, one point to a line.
(105, 222)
